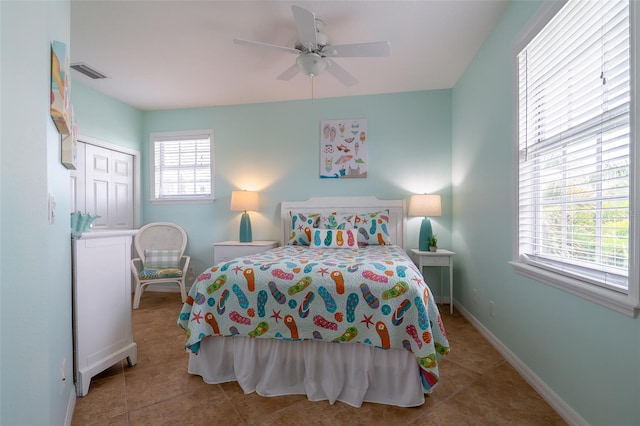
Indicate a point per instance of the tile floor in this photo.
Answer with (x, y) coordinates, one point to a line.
(478, 387)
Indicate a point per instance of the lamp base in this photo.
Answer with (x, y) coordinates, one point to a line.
(425, 235)
(245, 228)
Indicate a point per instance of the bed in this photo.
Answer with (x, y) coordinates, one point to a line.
(338, 312)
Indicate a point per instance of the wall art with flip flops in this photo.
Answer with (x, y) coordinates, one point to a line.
(343, 148)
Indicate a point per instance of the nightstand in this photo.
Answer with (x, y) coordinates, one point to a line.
(437, 258)
(227, 250)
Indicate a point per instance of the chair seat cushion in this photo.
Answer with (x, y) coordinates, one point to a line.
(154, 274)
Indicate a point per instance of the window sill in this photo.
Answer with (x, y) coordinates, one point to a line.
(619, 302)
(182, 201)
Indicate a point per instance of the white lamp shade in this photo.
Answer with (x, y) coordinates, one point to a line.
(311, 64)
(425, 205)
(242, 201)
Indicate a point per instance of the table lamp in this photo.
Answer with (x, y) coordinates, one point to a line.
(242, 201)
(425, 205)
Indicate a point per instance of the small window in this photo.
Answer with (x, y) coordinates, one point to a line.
(182, 166)
(575, 144)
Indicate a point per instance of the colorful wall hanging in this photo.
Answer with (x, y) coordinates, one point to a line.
(60, 87)
(69, 143)
(343, 148)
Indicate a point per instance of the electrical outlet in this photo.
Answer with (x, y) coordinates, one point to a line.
(491, 309)
(474, 294)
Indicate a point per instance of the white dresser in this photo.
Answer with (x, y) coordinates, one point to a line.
(101, 303)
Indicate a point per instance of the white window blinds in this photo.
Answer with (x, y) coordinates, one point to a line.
(574, 144)
(182, 166)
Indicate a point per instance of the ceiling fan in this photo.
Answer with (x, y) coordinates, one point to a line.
(314, 51)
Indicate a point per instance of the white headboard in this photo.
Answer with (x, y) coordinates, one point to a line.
(326, 205)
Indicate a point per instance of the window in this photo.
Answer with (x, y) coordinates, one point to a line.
(182, 166)
(575, 152)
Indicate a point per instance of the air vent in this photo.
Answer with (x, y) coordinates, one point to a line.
(87, 70)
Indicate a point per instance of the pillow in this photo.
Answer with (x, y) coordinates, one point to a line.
(337, 221)
(156, 259)
(334, 238)
(301, 226)
(372, 228)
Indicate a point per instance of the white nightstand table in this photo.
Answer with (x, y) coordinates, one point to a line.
(227, 250)
(437, 258)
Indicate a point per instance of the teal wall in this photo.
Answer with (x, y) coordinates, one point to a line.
(589, 355)
(106, 119)
(274, 148)
(458, 143)
(35, 256)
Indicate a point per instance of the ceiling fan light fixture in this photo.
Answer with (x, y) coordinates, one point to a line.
(311, 64)
(315, 54)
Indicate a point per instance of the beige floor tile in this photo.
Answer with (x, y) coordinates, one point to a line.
(378, 414)
(453, 378)
(206, 406)
(477, 387)
(160, 350)
(105, 399)
(502, 397)
(150, 384)
(121, 420)
(310, 413)
(252, 406)
(447, 415)
(470, 350)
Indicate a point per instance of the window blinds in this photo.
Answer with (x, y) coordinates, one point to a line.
(574, 139)
(183, 167)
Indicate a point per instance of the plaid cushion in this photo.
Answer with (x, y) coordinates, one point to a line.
(156, 259)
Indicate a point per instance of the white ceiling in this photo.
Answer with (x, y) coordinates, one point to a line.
(180, 54)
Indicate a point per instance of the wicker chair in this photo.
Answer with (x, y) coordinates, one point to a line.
(160, 247)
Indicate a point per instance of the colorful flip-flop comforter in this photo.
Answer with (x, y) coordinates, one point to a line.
(373, 295)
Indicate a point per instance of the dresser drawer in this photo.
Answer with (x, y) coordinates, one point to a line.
(435, 260)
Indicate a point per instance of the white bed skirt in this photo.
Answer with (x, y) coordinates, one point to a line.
(350, 373)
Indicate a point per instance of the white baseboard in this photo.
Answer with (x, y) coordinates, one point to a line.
(71, 406)
(562, 408)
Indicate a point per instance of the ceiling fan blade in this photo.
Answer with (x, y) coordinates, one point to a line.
(266, 45)
(289, 73)
(306, 24)
(341, 74)
(358, 50)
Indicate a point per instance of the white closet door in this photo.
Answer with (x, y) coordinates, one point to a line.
(121, 216)
(97, 172)
(109, 187)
